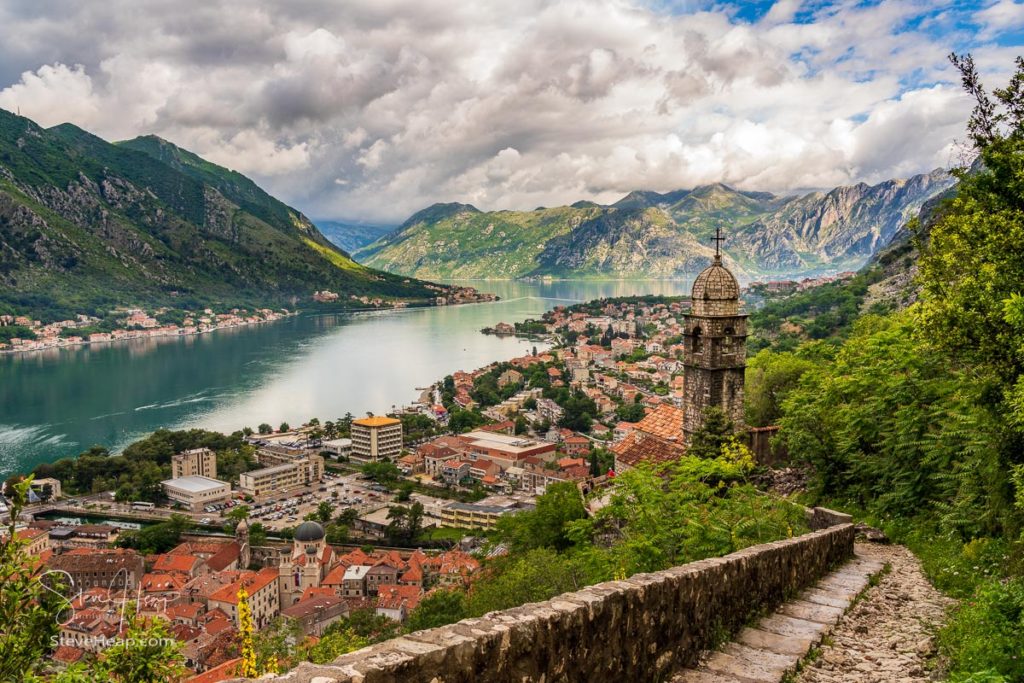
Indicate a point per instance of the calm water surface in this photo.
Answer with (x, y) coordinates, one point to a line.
(57, 403)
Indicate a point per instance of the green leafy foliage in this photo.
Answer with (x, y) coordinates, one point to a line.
(916, 418)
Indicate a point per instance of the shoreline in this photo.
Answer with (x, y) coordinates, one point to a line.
(124, 335)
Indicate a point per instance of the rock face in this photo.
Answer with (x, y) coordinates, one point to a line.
(86, 225)
(640, 629)
(647, 234)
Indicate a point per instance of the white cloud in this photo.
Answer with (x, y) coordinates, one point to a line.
(373, 109)
(1000, 16)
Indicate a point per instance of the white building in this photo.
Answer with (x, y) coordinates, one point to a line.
(195, 492)
(342, 448)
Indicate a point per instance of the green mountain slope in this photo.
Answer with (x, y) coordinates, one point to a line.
(86, 225)
(648, 234)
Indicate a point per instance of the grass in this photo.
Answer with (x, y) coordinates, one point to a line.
(335, 258)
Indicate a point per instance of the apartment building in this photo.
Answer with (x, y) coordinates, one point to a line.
(376, 438)
(199, 462)
(264, 598)
(284, 471)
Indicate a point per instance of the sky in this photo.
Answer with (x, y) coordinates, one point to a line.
(369, 110)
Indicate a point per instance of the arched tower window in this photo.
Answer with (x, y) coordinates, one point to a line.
(697, 340)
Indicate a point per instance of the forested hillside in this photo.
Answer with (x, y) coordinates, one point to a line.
(915, 416)
(86, 225)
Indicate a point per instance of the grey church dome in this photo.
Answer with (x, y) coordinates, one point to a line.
(308, 532)
(715, 283)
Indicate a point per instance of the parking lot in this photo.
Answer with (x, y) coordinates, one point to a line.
(342, 491)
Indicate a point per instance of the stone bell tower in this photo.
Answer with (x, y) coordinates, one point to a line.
(714, 346)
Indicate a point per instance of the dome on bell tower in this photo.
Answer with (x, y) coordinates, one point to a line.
(716, 291)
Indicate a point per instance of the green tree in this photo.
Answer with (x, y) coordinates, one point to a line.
(148, 653)
(630, 412)
(405, 523)
(384, 473)
(324, 511)
(333, 643)
(28, 608)
(237, 514)
(438, 608)
(547, 524)
(716, 431)
(769, 378)
(285, 427)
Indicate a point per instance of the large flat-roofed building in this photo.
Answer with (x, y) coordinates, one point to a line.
(474, 515)
(195, 492)
(503, 449)
(269, 480)
(201, 462)
(285, 471)
(339, 447)
(376, 438)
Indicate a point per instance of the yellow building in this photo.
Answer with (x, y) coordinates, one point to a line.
(376, 438)
(473, 515)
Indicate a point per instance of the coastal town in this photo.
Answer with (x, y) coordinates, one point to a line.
(369, 516)
(23, 333)
(131, 323)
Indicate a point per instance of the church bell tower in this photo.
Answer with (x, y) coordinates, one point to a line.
(714, 346)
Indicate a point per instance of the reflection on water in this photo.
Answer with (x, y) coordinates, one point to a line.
(58, 402)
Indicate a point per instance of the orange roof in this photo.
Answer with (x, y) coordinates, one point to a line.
(414, 574)
(29, 534)
(159, 583)
(640, 447)
(312, 591)
(376, 421)
(222, 672)
(336, 575)
(68, 654)
(187, 611)
(392, 596)
(252, 581)
(175, 563)
(665, 421)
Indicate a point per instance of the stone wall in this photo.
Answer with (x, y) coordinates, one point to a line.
(823, 518)
(640, 629)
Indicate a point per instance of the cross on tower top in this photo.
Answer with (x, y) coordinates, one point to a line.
(718, 239)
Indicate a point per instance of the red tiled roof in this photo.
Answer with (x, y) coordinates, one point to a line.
(312, 591)
(175, 563)
(640, 447)
(222, 672)
(665, 421)
(252, 581)
(393, 596)
(160, 583)
(68, 654)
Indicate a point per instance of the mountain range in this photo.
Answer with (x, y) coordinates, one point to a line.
(352, 236)
(657, 235)
(86, 225)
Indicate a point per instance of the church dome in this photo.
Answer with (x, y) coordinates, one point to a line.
(308, 532)
(715, 283)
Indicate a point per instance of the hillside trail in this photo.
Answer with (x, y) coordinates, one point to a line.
(889, 634)
(872, 620)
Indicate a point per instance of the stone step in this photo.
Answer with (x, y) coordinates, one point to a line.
(767, 651)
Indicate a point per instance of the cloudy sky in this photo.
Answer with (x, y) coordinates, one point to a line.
(372, 109)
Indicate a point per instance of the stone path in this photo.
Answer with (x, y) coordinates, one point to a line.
(886, 636)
